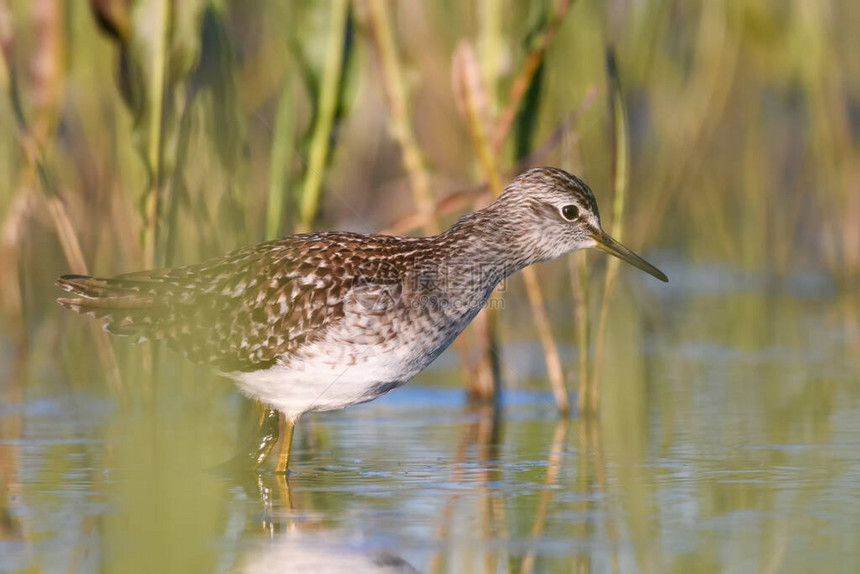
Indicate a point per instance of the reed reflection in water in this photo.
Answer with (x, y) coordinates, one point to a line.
(727, 442)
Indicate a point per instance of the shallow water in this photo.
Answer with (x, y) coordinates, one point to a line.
(729, 441)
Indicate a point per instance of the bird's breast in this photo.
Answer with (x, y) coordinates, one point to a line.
(388, 333)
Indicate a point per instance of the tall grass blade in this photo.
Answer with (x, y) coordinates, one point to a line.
(283, 141)
(337, 46)
(618, 130)
(525, 76)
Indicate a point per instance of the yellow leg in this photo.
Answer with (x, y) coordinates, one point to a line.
(286, 445)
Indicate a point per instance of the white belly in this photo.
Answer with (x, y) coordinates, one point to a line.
(362, 358)
(337, 379)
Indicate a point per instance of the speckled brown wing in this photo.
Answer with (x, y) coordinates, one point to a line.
(239, 312)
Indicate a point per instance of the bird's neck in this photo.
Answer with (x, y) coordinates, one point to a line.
(480, 247)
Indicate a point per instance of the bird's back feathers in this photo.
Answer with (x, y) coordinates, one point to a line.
(238, 312)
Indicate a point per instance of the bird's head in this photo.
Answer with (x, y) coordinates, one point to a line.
(547, 212)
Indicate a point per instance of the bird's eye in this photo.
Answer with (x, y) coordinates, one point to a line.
(570, 212)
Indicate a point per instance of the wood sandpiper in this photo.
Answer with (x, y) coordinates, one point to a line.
(322, 321)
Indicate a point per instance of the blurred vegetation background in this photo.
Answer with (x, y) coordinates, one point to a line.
(149, 133)
(721, 137)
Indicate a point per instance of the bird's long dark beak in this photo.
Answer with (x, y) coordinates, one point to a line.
(609, 245)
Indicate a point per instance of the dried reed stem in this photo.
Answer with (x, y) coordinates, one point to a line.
(398, 106)
(419, 177)
(455, 202)
(553, 360)
(579, 280)
(468, 81)
(54, 205)
(77, 264)
(10, 281)
(472, 102)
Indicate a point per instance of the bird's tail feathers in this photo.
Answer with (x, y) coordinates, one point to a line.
(126, 304)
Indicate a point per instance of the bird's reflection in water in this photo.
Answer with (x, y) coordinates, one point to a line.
(292, 543)
(315, 552)
(288, 529)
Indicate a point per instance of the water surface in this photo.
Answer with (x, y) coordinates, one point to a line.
(729, 441)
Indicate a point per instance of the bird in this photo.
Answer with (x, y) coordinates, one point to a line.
(323, 321)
